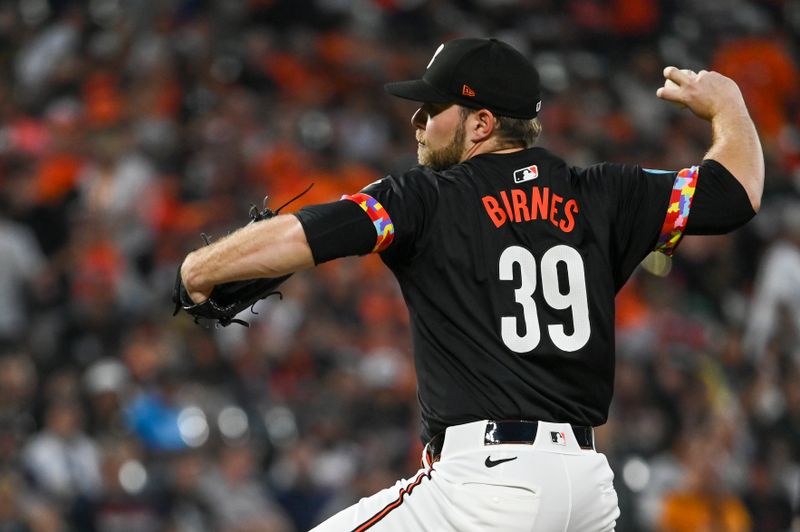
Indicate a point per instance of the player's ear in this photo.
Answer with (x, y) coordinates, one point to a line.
(480, 125)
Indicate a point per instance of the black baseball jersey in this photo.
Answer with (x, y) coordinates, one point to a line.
(509, 265)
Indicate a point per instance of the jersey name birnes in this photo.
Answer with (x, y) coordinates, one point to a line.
(539, 203)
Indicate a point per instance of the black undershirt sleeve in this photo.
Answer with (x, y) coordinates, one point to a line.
(720, 202)
(337, 229)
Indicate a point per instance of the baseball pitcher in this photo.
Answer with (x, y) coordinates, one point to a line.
(509, 260)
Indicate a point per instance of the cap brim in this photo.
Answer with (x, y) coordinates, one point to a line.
(417, 90)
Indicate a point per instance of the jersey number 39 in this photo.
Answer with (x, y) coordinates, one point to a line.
(574, 298)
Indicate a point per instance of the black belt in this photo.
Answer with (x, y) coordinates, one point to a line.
(498, 432)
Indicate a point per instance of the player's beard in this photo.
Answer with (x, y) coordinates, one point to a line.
(445, 157)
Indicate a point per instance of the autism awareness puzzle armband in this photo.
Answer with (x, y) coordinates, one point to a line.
(380, 219)
(680, 203)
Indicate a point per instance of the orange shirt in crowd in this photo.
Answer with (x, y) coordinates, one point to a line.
(767, 76)
(695, 512)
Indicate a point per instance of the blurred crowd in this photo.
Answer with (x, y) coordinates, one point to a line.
(128, 128)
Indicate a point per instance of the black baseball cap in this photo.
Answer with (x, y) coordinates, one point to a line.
(477, 73)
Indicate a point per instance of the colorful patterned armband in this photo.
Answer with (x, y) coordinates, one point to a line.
(680, 203)
(380, 219)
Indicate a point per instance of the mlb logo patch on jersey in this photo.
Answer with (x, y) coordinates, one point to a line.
(529, 173)
(559, 438)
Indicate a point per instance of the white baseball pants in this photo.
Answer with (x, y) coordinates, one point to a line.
(551, 485)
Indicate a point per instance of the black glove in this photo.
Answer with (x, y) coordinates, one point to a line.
(228, 299)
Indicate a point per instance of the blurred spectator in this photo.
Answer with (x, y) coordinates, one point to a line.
(11, 515)
(769, 508)
(188, 510)
(153, 415)
(236, 498)
(775, 85)
(38, 62)
(704, 503)
(62, 460)
(777, 288)
(21, 512)
(18, 383)
(128, 500)
(21, 265)
(106, 384)
(115, 195)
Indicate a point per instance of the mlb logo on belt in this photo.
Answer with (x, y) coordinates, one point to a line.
(559, 438)
(529, 173)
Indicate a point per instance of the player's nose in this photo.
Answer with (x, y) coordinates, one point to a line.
(419, 119)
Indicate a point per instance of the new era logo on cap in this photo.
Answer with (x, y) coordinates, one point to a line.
(559, 438)
(529, 173)
(466, 90)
